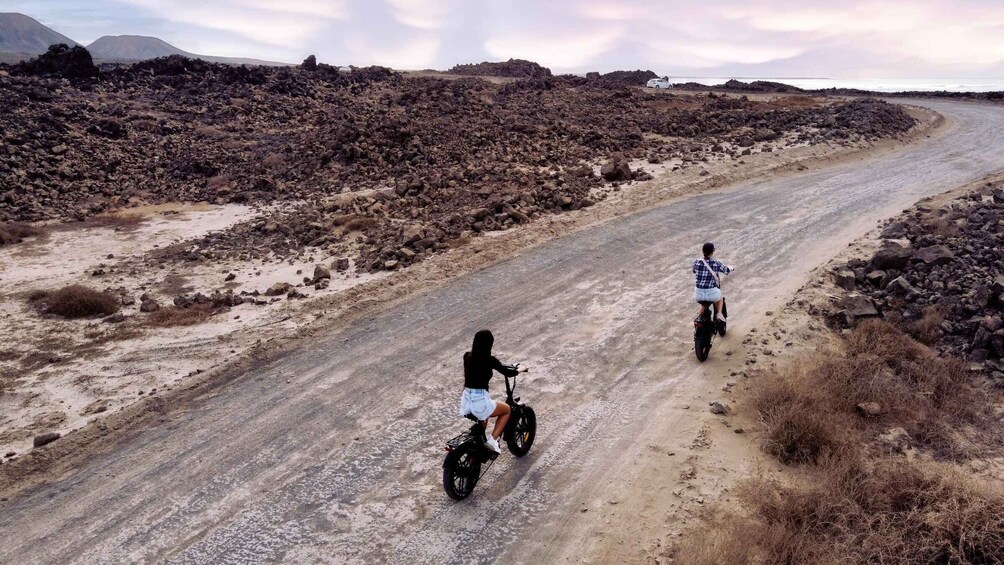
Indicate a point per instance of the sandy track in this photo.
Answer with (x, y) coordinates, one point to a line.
(332, 453)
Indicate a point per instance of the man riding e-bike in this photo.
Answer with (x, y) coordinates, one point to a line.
(707, 285)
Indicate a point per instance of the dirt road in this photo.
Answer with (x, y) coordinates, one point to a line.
(332, 453)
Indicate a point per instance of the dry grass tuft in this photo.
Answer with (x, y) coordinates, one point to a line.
(15, 232)
(75, 301)
(807, 409)
(174, 317)
(893, 512)
(928, 329)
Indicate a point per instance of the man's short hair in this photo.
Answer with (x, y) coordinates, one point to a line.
(708, 249)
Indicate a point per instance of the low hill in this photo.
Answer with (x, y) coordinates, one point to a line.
(513, 68)
(21, 34)
(132, 48)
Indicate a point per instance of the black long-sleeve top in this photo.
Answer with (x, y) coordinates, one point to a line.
(478, 370)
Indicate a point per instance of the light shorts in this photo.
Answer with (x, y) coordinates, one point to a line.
(707, 294)
(477, 401)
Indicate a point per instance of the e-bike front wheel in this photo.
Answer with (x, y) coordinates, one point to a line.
(523, 431)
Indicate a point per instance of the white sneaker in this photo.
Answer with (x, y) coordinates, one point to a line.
(720, 317)
(492, 444)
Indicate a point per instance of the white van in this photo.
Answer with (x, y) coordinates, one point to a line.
(662, 82)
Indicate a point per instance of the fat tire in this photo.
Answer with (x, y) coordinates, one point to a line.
(457, 487)
(521, 446)
(701, 350)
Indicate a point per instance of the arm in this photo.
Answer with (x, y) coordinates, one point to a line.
(498, 366)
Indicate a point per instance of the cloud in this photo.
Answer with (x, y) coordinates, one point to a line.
(425, 14)
(936, 38)
(279, 24)
(414, 54)
(562, 50)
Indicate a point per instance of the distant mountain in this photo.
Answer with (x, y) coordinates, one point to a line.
(22, 37)
(21, 34)
(133, 48)
(141, 48)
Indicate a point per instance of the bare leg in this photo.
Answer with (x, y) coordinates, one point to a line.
(718, 305)
(502, 411)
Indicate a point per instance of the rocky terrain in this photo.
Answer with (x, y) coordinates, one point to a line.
(940, 273)
(513, 68)
(388, 168)
(629, 78)
(763, 86)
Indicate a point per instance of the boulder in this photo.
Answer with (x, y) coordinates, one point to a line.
(997, 287)
(934, 255)
(321, 273)
(718, 408)
(845, 279)
(341, 265)
(616, 170)
(875, 277)
(859, 306)
(894, 254)
(149, 305)
(45, 439)
(278, 289)
(900, 286)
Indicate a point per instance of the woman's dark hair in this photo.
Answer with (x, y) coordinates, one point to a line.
(708, 249)
(482, 346)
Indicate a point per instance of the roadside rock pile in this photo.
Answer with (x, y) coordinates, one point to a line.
(629, 78)
(941, 272)
(513, 68)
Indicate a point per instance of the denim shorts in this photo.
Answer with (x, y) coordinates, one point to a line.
(707, 294)
(478, 402)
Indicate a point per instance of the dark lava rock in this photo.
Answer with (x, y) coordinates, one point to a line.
(894, 254)
(616, 169)
(60, 60)
(45, 439)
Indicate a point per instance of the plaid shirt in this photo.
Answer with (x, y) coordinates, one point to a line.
(705, 278)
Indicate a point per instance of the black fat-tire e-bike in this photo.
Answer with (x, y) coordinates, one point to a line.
(706, 326)
(467, 452)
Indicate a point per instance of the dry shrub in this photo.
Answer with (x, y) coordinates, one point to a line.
(799, 427)
(15, 232)
(119, 221)
(807, 409)
(893, 512)
(174, 317)
(928, 328)
(75, 301)
(361, 224)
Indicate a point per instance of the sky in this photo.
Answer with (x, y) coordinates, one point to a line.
(749, 38)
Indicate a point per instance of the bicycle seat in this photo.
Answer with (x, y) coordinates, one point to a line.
(705, 302)
(471, 417)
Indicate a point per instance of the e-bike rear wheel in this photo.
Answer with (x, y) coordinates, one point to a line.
(461, 470)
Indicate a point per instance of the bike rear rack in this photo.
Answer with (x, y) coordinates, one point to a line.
(459, 440)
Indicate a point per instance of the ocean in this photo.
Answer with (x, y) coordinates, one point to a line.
(874, 84)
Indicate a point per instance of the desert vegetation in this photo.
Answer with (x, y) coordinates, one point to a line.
(15, 232)
(875, 432)
(75, 301)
